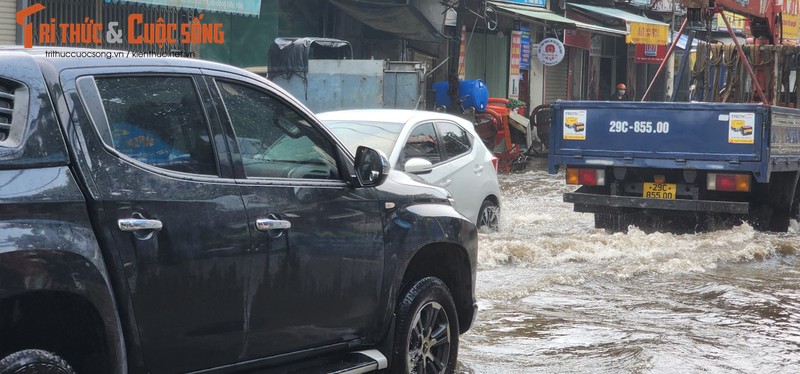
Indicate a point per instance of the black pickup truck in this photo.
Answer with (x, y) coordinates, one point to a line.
(165, 215)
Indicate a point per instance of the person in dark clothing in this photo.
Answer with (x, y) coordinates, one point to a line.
(452, 93)
(619, 94)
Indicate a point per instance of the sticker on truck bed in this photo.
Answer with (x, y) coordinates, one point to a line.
(575, 124)
(740, 128)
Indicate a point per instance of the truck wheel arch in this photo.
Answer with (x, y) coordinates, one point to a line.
(61, 304)
(777, 203)
(449, 263)
(795, 207)
(58, 322)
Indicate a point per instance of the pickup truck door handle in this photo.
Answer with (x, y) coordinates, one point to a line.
(446, 183)
(137, 224)
(268, 224)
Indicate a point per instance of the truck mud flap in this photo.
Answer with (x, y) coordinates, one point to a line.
(591, 203)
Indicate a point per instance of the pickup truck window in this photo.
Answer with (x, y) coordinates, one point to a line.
(275, 141)
(158, 121)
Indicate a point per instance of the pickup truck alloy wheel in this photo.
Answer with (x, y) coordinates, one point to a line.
(427, 334)
(489, 215)
(34, 361)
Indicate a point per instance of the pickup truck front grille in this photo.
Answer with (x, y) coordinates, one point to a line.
(6, 112)
(14, 103)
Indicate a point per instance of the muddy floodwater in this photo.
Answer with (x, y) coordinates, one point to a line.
(557, 295)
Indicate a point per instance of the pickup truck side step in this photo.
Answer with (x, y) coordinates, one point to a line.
(356, 362)
(362, 362)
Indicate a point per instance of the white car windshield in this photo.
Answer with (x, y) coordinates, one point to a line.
(373, 134)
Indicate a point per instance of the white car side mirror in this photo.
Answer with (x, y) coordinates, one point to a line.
(418, 166)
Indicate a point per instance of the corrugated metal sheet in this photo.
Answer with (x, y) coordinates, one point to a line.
(8, 25)
(76, 11)
(556, 80)
(487, 60)
(238, 7)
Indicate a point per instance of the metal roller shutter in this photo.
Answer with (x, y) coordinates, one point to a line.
(556, 81)
(8, 23)
(487, 60)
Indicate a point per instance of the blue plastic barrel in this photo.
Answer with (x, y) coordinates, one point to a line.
(474, 93)
(440, 93)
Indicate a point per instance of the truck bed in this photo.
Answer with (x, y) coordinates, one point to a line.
(704, 136)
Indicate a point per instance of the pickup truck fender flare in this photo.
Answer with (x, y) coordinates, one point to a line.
(421, 227)
(60, 257)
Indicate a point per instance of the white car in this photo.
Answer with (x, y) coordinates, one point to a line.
(442, 149)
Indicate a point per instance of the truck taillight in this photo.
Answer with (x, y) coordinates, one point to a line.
(495, 163)
(586, 177)
(728, 182)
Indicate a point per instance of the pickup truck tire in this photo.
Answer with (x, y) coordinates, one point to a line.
(489, 215)
(34, 361)
(426, 338)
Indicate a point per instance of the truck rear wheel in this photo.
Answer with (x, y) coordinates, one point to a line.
(426, 338)
(767, 218)
(612, 222)
(34, 361)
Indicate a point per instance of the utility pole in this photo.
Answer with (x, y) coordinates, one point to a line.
(669, 77)
(455, 43)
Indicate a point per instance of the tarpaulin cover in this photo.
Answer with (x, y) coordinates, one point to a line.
(403, 20)
(289, 56)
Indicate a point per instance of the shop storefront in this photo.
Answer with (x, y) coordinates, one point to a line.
(8, 26)
(632, 60)
(535, 55)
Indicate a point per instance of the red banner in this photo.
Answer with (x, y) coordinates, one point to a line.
(650, 53)
(513, 68)
(462, 54)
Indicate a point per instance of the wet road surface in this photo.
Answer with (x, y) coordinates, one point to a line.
(557, 295)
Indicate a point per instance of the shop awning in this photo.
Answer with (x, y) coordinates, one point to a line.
(537, 14)
(243, 7)
(403, 20)
(600, 29)
(641, 30)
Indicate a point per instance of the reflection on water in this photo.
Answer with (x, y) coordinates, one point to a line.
(557, 295)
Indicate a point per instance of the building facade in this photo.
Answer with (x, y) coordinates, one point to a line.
(593, 46)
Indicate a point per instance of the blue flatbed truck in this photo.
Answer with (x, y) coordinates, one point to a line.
(652, 162)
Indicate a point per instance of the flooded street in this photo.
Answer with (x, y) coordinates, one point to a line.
(558, 296)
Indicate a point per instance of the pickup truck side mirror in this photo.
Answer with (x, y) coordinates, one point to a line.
(418, 165)
(371, 167)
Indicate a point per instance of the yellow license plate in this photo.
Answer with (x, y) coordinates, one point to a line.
(659, 190)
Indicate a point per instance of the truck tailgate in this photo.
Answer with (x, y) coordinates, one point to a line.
(635, 133)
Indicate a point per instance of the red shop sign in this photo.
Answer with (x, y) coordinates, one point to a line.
(650, 53)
